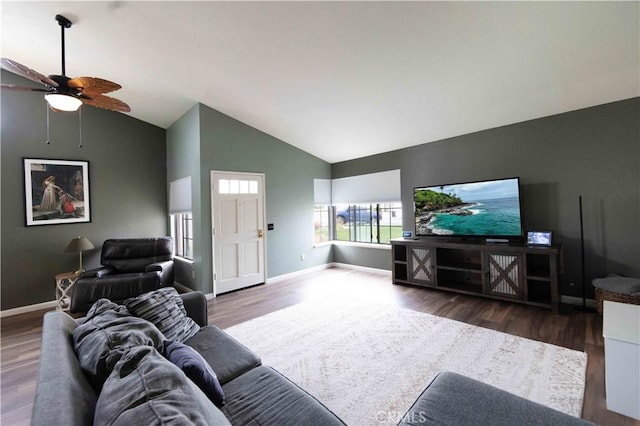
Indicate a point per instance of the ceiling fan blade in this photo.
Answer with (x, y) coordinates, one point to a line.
(24, 88)
(93, 86)
(24, 71)
(105, 102)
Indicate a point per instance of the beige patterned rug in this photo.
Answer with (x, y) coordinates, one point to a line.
(368, 363)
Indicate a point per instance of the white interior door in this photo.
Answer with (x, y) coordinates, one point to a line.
(237, 210)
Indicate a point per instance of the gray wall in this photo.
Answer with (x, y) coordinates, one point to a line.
(593, 152)
(229, 145)
(127, 175)
(183, 160)
(378, 258)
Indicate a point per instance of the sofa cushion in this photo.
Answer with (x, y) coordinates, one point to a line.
(228, 357)
(108, 331)
(196, 368)
(454, 399)
(164, 308)
(618, 284)
(263, 396)
(146, 389)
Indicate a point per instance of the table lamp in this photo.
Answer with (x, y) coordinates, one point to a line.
(79, 244)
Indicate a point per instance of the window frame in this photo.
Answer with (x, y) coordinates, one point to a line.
(374, 226)
(182, 233)
(323, 213)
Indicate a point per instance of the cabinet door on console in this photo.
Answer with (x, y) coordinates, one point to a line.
(503, 275)
(422, 264)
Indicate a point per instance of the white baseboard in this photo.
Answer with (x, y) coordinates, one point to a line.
(283, 277)
(327, 266)
(29, 308)
(361, 268)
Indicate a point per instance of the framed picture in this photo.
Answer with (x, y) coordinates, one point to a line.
(56, 191)
(539, 238)
(407, 234)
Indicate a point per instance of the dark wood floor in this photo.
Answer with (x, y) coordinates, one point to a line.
(21, 334)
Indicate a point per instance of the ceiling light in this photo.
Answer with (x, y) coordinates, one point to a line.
(63, 102)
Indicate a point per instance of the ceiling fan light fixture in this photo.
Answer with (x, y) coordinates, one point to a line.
(62, 102)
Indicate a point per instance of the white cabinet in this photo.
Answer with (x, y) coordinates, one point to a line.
(621, 331)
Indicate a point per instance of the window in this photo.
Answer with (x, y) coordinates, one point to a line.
(368, 223)
(237, 186)
(343, 211)
(321, 223)
(180, 217)
(182, 233)
(390, 222)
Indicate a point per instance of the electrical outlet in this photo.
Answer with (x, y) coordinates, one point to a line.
(302, 256)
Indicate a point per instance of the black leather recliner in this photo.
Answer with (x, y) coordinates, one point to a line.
(130, 267)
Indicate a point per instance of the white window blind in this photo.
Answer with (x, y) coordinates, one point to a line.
(378, 187)
(180, 196)
(322, 192)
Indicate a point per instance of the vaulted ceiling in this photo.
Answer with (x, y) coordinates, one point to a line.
(341, 80)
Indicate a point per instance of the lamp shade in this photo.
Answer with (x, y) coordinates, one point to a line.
(79, 244)
(63, 102)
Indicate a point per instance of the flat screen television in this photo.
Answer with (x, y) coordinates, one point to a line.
(486, 209)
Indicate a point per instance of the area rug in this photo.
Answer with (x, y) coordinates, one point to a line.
(368, 363)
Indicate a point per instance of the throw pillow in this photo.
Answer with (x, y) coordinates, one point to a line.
(107, 332)
(146, 389)
(164, 308)
(196, 368)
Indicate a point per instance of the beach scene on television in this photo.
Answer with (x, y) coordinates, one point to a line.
(490, 208)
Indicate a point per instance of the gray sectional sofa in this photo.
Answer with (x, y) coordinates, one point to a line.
(254, 394)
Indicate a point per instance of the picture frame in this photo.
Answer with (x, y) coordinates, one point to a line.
(407, 234)
(539, 238)
(56, 191)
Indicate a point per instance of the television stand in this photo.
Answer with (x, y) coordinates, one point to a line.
(497, 241)
(514, 272)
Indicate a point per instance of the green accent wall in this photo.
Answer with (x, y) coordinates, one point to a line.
(593, 152)
(127, 176)
(226, 144)
(183, 160)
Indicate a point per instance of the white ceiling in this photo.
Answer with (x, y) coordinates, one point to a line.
(342, 80)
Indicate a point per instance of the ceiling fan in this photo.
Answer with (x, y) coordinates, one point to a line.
(63, 93)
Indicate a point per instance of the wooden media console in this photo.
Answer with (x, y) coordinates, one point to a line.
(514, 272)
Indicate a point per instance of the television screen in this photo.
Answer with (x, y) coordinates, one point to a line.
(480, 209)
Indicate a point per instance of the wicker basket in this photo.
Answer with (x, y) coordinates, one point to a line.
(602, 295)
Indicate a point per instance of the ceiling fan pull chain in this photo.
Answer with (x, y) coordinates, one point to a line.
(80, 126)
(47, 106)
